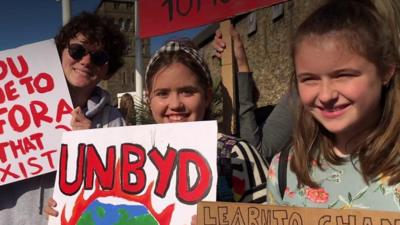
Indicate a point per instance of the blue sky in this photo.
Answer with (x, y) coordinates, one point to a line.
(28, 21)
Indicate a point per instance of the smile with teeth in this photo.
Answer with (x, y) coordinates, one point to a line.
(333, 111)
(176, 117)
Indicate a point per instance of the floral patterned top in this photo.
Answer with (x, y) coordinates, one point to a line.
(342, 186)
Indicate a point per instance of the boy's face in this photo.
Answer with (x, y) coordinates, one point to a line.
(85, 64)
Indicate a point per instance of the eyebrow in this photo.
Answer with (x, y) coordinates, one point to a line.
(335, 72)
(346, 70)
(188, 87)
(161, 89)
(179, 88)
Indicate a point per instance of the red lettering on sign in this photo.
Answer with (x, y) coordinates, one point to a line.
(132, 174)
(10, 92)
(39, 168)
(165, 166)
(195, 193)
(27, 81)
(39, 113)
(49, 156)
(25, 168)
(159, 17)
(17, 147)
(4, 70)
(66, 187)
(22, 169)
(12, 118)
(6, 172)
(62, 109)
(14, 70)
(134, 167)
(94, 165)
(42, 83)
(47, 79)
(24, 145)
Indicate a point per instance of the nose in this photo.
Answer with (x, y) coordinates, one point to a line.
(328, 93)
(85, 59)
(175, 102)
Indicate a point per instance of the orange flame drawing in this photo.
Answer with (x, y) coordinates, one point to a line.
(163, 218)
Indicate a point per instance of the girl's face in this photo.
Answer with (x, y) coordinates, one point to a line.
(82, 72)
(340, 88)
(177, 96)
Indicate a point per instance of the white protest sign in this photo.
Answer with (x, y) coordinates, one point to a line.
(34, 110)
(151, 174)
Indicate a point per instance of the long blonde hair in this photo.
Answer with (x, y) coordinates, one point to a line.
(366, 29)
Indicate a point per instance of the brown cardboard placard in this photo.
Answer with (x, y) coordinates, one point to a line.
(228, 81)
(224, 213)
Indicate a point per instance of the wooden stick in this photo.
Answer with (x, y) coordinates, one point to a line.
(228, 82)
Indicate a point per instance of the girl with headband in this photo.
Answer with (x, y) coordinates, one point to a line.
(179, 89)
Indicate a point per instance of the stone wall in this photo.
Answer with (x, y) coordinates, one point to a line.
(122, 12)
(268, 48)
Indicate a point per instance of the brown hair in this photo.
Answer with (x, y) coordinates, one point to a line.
(97, 29)
(127, 109)
(184, 52)
(360, 25)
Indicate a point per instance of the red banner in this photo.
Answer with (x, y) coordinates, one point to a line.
(159, 17)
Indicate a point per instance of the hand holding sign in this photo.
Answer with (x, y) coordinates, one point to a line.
(49, 209)
(238, 48)
(79, 120)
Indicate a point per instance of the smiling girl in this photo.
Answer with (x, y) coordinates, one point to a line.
(346, 146)
(179, 89)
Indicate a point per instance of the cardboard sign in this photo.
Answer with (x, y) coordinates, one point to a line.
(220, 213)
(159, 17)
(34, 110)
(151, 174)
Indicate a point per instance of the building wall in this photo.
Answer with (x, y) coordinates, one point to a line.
(268, 48)
(123, 14)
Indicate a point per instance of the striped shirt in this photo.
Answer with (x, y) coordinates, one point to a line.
(241, 171)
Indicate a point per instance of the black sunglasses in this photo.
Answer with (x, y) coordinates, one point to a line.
(77, 52)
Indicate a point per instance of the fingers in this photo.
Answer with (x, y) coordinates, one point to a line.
(194, 220)
(77, 113)
(51, 202)
(217, 54)
(218, 44)
(79, 120)
(49, 209)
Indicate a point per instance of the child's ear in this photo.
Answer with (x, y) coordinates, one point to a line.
(389, 75)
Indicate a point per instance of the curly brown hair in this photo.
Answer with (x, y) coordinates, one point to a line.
(97, 29)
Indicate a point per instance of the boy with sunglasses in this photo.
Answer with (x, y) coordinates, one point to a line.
(91, 49)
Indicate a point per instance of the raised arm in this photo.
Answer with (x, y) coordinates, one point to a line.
(275, 134)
